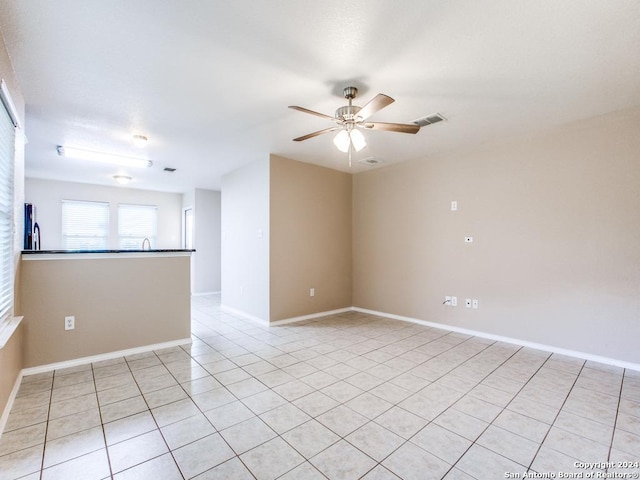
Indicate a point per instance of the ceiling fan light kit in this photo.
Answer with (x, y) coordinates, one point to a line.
(347, 139)
(350, 119)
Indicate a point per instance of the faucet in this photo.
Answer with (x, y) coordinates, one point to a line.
(147, 243)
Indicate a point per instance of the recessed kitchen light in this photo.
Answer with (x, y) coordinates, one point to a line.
(140, 141)
(122, 179)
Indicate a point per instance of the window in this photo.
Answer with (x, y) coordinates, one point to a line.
(85, 225)
(135, 224)
(7, 161)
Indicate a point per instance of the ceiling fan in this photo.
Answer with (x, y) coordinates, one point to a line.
(350, 119)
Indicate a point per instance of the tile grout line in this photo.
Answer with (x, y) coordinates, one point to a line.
(478, 383)
(104, 435)
(46, 428)
(152, 416)
(615, 422)
(555, 418)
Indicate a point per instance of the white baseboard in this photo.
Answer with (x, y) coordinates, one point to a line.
(515, 341)
(266, 323)
(498, 338)
(103, 356)
(202, 294)
(310, 317)
(243, 314)
(79, 361)
(9, 405)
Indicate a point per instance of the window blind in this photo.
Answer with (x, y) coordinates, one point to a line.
(85, 225)
(135, 223)
(7, 160)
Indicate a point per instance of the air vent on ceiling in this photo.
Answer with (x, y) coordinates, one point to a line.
(370, 161)
(169, 169)
(429, 119)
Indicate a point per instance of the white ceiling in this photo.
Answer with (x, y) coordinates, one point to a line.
(209, 81)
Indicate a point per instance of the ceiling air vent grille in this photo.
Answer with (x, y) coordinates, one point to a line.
(370, 161)
(429, 119)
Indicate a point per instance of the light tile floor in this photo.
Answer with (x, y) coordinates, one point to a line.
(344, 397)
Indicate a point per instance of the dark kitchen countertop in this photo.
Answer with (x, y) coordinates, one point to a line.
(71, 252)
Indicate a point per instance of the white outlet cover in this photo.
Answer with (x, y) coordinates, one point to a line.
(454, 206)
(467, 303)
(475, 303)
(454, 301)
(468, 239)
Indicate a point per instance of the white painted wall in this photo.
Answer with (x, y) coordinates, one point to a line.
(245, 240)
(47, 196)
(206, 260)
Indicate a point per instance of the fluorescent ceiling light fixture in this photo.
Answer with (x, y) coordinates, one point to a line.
(122, 179)
(344, 139)
(5, 96)
(119, 160)
(140, 141)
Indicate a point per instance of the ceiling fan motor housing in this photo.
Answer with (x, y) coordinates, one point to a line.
(347, 114)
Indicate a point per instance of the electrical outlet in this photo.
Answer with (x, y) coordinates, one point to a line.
(467, 303)
(312, 292)
(447, 300)
(468, 239)
(454, 301)
(454, 206)
(69, 322)
(475, 303)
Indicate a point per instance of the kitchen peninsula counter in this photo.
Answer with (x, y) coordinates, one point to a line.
(122, 301)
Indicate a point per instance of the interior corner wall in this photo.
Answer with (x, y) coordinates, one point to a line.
(206, 259)
(556, 226)
(310, 227)
(245, 240)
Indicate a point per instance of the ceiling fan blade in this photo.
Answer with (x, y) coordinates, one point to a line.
(392, 127)
(375, 104)
(315, 134)
(306, 110)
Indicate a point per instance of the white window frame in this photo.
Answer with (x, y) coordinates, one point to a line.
(10, 126)
(133, 240)
(71, 231)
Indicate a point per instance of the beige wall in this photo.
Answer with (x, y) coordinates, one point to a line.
(118, 304)
(11, 353)
(310, 218)
(10, 367)
(556, 223)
